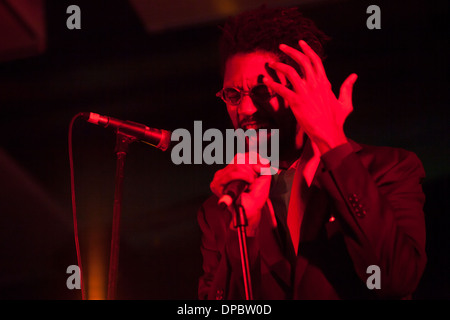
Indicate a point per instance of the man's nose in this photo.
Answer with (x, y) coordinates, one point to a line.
(246, 106)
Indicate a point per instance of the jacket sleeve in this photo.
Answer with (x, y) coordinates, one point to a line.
(210, 253)
(380, 209)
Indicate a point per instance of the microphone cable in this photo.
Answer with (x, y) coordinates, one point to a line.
(74, 209)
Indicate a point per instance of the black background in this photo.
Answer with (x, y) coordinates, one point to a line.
(168, 80)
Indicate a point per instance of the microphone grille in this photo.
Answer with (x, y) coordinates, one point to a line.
(164, 143)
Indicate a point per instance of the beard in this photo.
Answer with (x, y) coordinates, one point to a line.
(288, 130)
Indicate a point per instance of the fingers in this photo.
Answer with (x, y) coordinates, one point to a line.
(290, 73)
(303, 61)
(260, 185)
(231, 173)
(245, 166)
(309, 61)
(280, 89)
(314, 58)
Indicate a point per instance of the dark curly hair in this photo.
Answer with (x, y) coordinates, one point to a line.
(264, 29)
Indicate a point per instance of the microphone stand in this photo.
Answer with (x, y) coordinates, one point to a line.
(240, 222)
(122, 143)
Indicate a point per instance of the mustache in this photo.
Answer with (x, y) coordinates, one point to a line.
(251, 121)
(259, 117)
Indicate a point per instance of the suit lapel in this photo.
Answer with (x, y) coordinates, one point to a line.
(280, 200)
(277, 250)
(316, 214)
(315, 202)
(271, 250)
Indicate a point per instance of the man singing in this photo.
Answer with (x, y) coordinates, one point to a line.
(336, 210)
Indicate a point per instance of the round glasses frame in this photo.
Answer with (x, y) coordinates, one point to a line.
(243, 93)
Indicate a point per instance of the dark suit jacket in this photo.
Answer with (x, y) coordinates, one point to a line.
(376, 197)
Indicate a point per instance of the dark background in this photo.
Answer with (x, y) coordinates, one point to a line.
(168, 79)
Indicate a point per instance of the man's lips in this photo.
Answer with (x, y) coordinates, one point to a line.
(256, 125)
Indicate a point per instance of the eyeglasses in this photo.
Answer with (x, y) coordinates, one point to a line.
(259, 94)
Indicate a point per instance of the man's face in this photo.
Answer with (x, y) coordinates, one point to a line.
(244, 71)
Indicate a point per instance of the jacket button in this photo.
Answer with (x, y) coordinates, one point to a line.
(360, 213)
(219, 294)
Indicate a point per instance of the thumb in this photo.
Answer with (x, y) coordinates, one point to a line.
(258, 193)
(261, 186)
(345, 94)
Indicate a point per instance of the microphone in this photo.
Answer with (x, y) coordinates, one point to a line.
(232, 192)
(155, 137)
